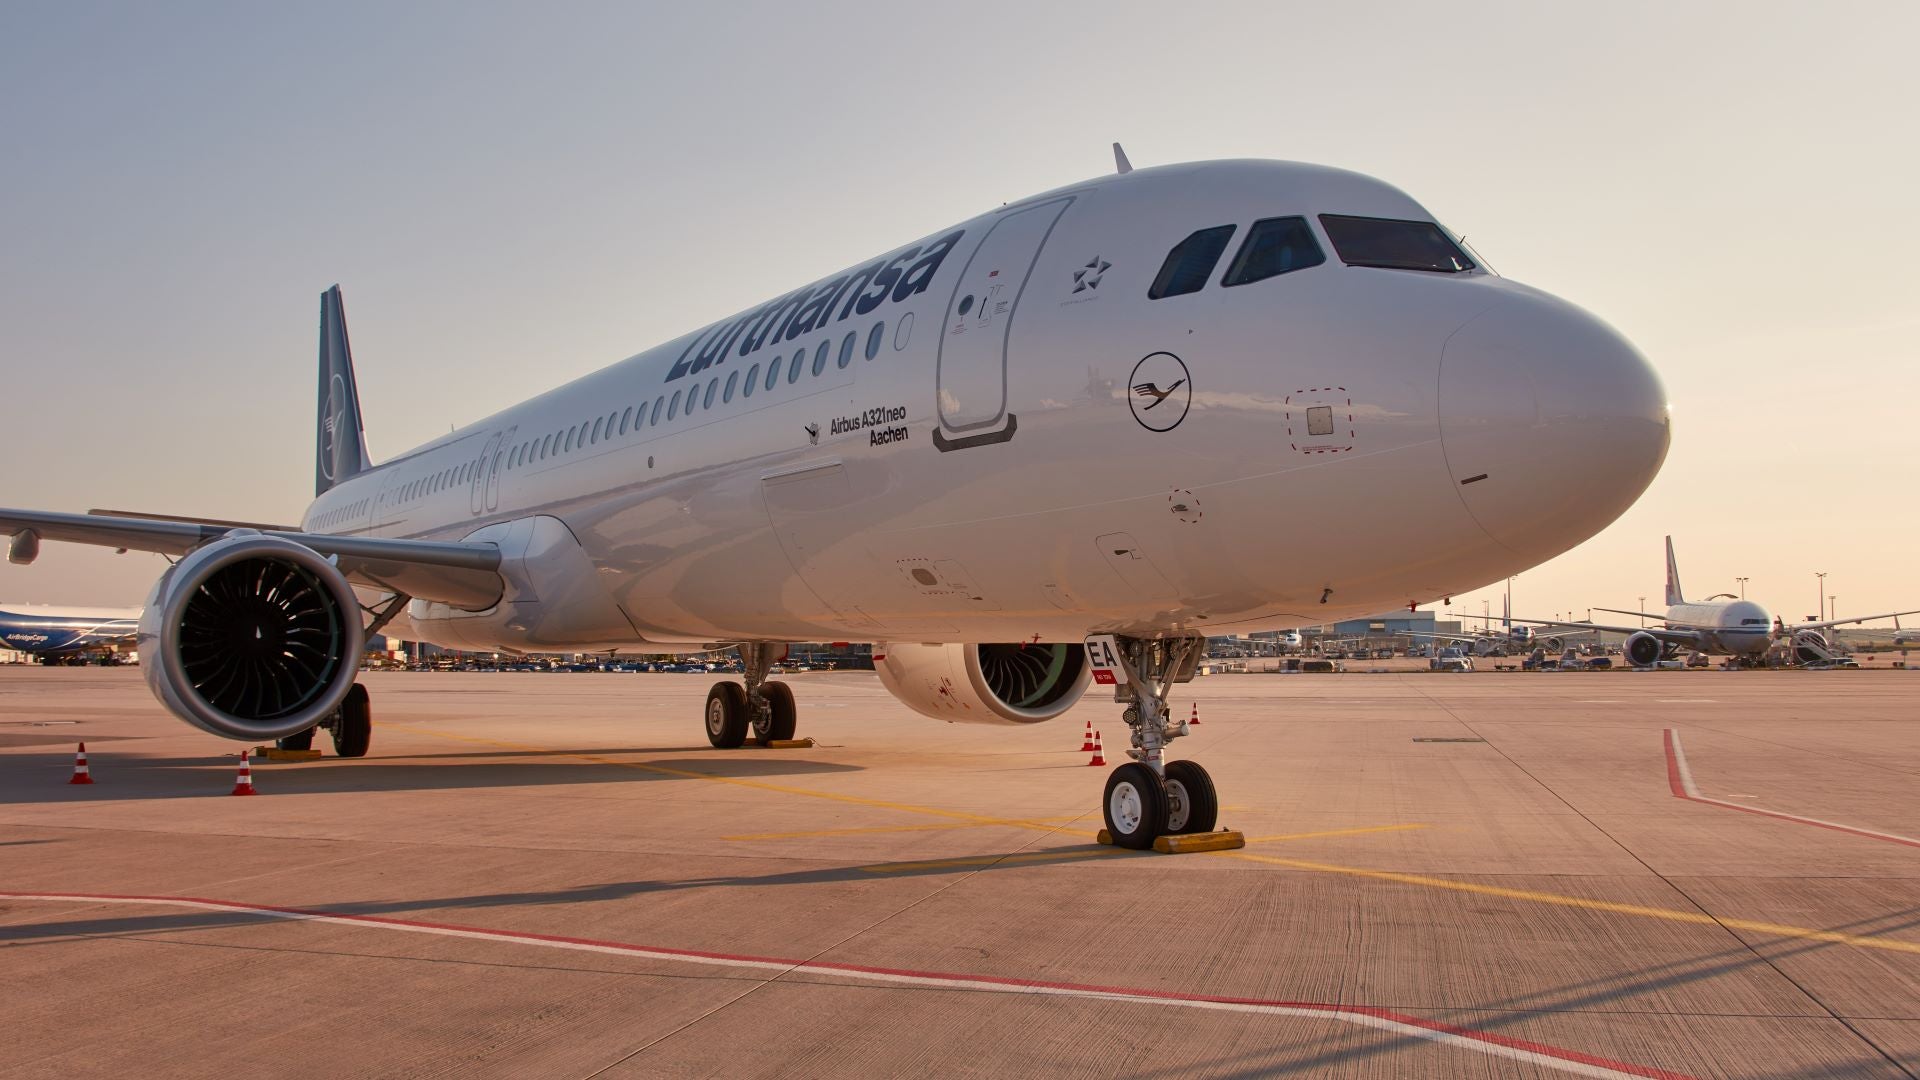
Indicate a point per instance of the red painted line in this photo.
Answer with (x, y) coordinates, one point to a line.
(1570, 1061)
(1680, 782)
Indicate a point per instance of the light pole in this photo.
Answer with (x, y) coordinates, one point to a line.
(1822, 592)
(1833, 607)
(1643, 608)
(1743, 587)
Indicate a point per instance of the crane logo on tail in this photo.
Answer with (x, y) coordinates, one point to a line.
(330, 425)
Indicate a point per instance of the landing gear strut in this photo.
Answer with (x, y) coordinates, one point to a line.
(764, 708)
(1150, 797)
(351, 727)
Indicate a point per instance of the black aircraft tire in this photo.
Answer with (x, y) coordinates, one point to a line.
(785, 715)
(727, 715)
(1192, 805)
(1135, 806)
(302, 741)
(353, 728)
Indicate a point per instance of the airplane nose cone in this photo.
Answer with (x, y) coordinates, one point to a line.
(1552, 423)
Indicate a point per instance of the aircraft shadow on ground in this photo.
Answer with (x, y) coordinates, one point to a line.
(41, 778)
(1608, 993)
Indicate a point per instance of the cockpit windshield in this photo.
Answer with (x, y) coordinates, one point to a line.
(1394, 245)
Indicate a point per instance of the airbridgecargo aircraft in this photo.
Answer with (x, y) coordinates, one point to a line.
(1057, 443)
(63, 633)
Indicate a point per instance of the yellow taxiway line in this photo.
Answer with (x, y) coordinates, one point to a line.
(1611, 907)
(895, 829)
(1419, 880)
(758, 785)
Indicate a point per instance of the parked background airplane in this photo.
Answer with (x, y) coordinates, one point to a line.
(65, 633)
(1717, 627)
(1511, 639)
(940, 451)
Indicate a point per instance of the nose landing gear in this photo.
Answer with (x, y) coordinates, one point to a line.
(1149, 797)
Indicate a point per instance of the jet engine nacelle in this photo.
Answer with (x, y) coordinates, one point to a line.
(1554, 646)
(985, 684)
(251, 637)
(1642, 649)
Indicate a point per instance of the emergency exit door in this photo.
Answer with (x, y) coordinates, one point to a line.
(971, 372)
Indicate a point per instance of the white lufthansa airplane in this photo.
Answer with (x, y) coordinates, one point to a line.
(1718, 626)
(1063, 440)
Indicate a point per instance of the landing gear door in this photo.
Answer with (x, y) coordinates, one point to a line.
(971, 372)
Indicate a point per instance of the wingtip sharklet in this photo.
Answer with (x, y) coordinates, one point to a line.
(1120, 162)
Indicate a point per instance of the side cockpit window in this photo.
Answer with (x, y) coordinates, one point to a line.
(1392, 244)
(1274, 246)
(1191, 263)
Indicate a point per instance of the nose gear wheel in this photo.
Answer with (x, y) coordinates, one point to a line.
(1135, 805)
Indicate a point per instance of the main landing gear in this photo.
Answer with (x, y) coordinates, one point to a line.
(1149, 797)
(351, 727)
(764, 708)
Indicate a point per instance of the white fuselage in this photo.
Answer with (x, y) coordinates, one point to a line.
(972, 460)
(1726, 628)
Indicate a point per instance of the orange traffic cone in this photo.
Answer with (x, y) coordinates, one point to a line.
(80, 773)
(1195, 718)
(1098, 757)
(1086, 741)
(243, 784)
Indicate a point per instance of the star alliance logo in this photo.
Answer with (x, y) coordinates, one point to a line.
(1088, 276)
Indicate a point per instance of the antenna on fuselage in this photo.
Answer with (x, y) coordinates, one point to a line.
(1120, 162)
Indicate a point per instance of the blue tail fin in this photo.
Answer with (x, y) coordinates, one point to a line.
(340, 442)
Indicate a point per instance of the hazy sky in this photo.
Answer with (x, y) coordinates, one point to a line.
(513, 196)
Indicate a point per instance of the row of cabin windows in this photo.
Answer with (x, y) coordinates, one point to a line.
(345, 513)
(1276, 246)
(694, 399)
(662, 410)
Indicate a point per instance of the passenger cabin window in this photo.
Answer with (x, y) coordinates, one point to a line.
(820, 357)
(874, 337)
(746, 385)
(1391, 244)
(712, 385)
(1273, 247)
(1191, 262)
(846, 348)
(727, 394)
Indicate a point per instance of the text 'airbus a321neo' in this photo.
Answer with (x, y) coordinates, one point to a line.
(1206, 398)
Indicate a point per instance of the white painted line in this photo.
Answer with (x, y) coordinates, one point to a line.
(1680, 782)
(1571, 1062)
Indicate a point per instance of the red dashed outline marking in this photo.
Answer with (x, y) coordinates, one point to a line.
(1351, 431)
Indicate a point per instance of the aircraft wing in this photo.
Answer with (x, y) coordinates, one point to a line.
(1677, 635)
(1844, 622)
(1619, 611)
(465, 575)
